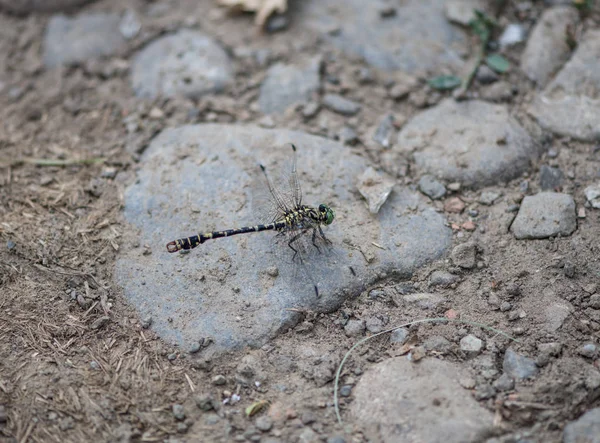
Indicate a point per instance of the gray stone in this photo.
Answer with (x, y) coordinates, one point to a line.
(416, 39)
(485, 75)
(489, 197)
(545, 215)
(442, 278)
(310, 109)
(346, 391)
(504, 383)
(385, 132)
(547, 49)
(418, 402)
(354, 328)
(432, 188)
(341, 105)
(586, 429)
(205, 402)
(86, 36)
(438, 343)
(424, 300)
(286, 85)
(471, 345)
(552, 349)
(264, 423)
(592, 195)
(212, 169)
(178, 412)
(100, 322)
(512, 35)
(518, 366)
(464, 255)
(399, 335)
(555, 314)
(478, 144)
(500, 91)
(375, 188)
(32, 6)
(550, 178)
(186, 63)
(595, 301)
(130, 24)
(588, 350)
(374, 324)
(569, 105)
(463, 11)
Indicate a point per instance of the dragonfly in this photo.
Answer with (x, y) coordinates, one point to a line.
(297, 224)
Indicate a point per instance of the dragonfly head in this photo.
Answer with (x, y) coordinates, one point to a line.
(327, 214)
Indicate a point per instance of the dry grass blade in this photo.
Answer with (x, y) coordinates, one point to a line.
(51, 162)
(263, 8)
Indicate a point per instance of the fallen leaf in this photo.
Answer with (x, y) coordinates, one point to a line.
(263, 8)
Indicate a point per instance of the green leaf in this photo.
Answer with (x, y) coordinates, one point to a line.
(498, 63)
(482, 26)
(444, 82)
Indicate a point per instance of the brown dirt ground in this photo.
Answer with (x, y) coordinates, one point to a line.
(65, 221)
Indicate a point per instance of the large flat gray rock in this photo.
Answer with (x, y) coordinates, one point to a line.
(187, 63)
(418, 402)
(570, 104)
(286, 85)
(586, 429)
(32, 6)
(472, 142)
(239, 290)
(86, 36)
(547, 47)
(416, 39)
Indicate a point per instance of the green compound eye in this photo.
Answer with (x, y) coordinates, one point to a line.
(329, 214)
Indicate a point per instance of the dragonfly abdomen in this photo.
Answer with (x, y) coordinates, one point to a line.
(196, 240)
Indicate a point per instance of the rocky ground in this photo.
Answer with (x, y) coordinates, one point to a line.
(125, 125)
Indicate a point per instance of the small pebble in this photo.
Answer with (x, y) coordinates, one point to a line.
(100, 322)
(454, 205)
(205, 402)
(340, 104)
(346, 390)
(277, 22)
(569, 269)
(195, 347)
(219, 380)
(354, 328)
(588, 350)
(399, 335)
(504, 383)
(94, 365)
(264, 423)
(471, 345)
(310, 110)
(431, 187)
(488, 197)
(146, 322)
(178, 412)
